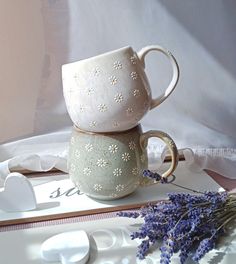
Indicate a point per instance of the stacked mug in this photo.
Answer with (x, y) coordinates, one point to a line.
(106, 97)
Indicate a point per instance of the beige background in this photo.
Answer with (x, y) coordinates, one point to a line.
(38, 36)
(21, 53)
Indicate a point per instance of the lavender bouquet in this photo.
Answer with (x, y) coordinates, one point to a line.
(188, 224)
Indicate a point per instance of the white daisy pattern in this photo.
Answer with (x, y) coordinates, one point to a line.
(113, 80)
(97, 187)
(120, 187)
(117, 172)
(90, 90)
(72, 141)
(134, 75)
(76, 76)
(72, 167)
(81, 108)
(89, 147)
(93, 124)
(96, 71)
(129, 111)
(118, 98)
(125, 156)
(142, 157)
(133, 60)
(136, 93)
(102, 108)
(70, 91)
(132, 145)
(113, 195)
(113, 148)
(115, 124)
(117, 65)
(135, 171)
(77, 153)
(78, 185)
(145, 105)
(87, 171)
(102, 163)
(136, 185)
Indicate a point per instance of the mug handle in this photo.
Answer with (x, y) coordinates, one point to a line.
(141, 55)
(170, 144)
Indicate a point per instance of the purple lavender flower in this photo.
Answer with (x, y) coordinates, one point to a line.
(129, 214)
(183, 256)
(184, 249)
(205, 246)
(183, 223)
(143, 249)
(152, 175)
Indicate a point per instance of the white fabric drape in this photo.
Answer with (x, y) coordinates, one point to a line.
(199, 115)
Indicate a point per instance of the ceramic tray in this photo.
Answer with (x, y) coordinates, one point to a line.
(57, 199)
(109, 240)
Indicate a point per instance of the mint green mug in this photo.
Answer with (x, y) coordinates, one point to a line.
(109, 166)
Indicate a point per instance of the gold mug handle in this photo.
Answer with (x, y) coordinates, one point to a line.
(170, 144)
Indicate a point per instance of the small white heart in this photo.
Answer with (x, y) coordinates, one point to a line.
(17, 194)
(68, 248)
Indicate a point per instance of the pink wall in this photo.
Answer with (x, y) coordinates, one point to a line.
(21, 57)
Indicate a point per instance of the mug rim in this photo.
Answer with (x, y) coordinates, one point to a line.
(105, 54)
(77, 129)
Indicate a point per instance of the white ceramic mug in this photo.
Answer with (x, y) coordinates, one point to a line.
(110, 92)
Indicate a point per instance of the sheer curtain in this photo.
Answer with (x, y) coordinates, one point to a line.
(199, 115)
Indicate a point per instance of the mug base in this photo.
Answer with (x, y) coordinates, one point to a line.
(108, 198)
(105, 130)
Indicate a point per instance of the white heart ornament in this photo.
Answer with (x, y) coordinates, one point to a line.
(17, 194)
(68, 248)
